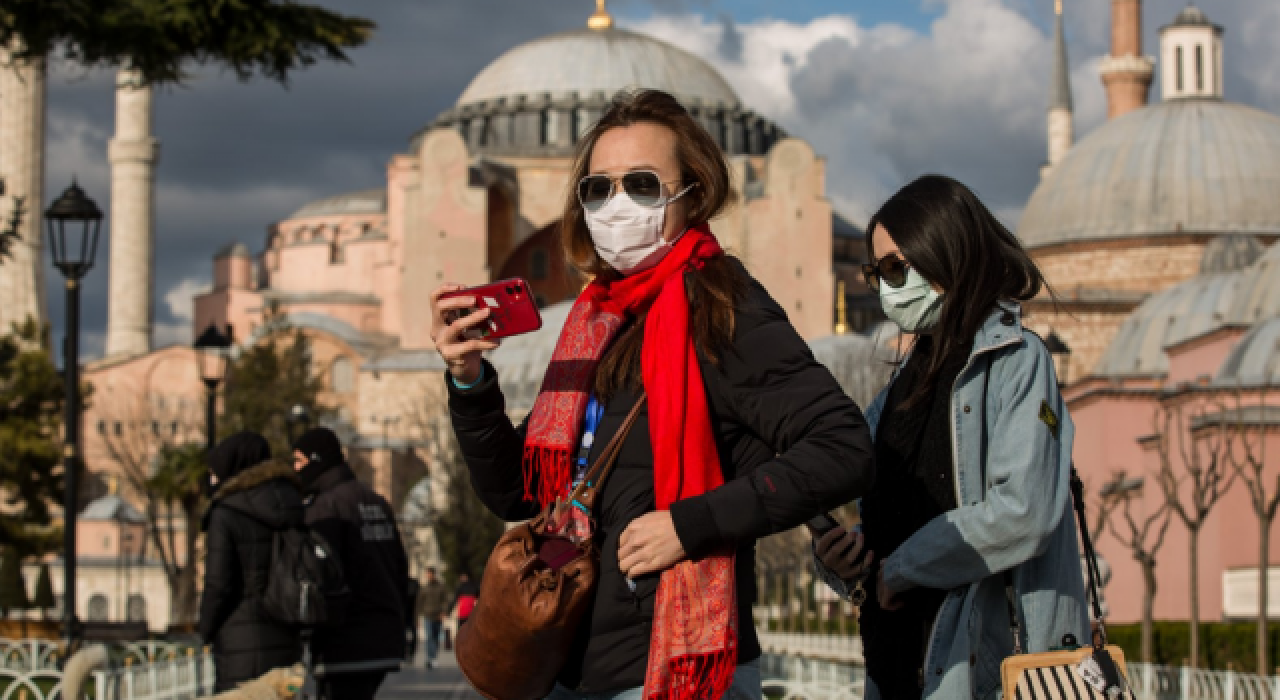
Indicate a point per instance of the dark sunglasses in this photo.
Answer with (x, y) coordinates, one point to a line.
(644, 188)
(891, 268)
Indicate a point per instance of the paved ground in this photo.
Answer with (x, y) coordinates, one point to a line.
(415, 682)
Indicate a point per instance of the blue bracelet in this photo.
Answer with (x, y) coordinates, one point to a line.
(464, 387)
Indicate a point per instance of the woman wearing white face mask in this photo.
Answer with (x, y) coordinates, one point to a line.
(743, 434)
(971, 507)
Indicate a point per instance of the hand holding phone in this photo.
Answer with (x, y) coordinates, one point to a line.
(511, 308)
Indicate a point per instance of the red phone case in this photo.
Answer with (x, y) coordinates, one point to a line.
(512, 309)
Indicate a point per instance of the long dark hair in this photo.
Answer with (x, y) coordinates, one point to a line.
(715, 289)
(952, 239)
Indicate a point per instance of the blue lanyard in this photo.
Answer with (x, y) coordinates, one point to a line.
(595, 410)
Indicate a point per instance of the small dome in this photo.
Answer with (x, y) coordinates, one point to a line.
(1231, 254)
(112, 508)
(1255, 360)
(1190, 309)
(586, 61)
(1192, 16)
(1259, 295)
(361, 202)
(521, 361)
(1183, 166)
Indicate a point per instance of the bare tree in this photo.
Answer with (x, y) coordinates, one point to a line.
(1143, 537)
(1194, 475)
(1248, 456)
(151, 439)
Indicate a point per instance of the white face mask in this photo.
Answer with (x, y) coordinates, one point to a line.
(627, 235)
(914, 306)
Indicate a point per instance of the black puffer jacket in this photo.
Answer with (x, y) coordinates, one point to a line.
(791, 443)
(246, 511)
(357, 521)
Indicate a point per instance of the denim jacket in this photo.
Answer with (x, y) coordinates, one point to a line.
(1011, 442)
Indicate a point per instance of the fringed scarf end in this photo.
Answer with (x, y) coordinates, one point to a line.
(546, 474)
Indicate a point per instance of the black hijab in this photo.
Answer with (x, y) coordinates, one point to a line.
(237, 453)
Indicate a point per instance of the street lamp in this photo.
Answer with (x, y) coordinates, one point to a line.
(1061, 355)
(75, 223)
(213, 349)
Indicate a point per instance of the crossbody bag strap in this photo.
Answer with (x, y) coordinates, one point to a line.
(585, 494)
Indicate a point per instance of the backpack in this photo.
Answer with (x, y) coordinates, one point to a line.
(305, 584)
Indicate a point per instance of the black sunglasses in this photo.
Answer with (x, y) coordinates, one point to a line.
(644, 188)
(891, 268)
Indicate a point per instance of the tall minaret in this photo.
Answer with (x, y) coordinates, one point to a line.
(1062, 130)
(22, 119)
(1126, 73)
(133, 153)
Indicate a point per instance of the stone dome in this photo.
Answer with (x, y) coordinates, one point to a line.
(1255, 360)
(1259, 294)
(360, 202)
(1192, 16)
(1182, 166)
(539, 98)
(1195, 307)
(586, 61)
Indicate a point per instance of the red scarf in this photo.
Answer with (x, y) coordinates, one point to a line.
(693, 648)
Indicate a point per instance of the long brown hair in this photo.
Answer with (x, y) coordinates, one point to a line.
(713, 291)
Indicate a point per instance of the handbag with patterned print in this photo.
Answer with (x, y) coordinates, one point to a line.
(1093, 672)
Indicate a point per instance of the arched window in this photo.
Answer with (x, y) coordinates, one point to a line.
(539, 264)
(341, 376)
(337, 253)
(98, 607)
(136, 608)
(1177, 68)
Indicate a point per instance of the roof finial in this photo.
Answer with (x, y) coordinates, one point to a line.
(113, 484)
(601, 20)
(1057, 7)
(842, 310)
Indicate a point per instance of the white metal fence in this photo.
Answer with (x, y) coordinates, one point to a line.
(152, 671)
(830, 647)
(1151, 682)
(798, 678)
(182, 678)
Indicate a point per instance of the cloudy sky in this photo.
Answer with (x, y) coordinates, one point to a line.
(885, 89)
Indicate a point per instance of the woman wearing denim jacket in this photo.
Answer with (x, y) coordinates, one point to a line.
(973, 452)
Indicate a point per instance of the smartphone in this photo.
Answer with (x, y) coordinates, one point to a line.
(821, 524)
(512, 309)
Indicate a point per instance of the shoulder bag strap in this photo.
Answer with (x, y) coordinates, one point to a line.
(585, 493)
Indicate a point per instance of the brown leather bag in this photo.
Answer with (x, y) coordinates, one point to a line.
(536, 587)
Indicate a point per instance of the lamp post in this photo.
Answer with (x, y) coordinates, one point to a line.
(75, 223)
(213, 349)
(1061, 355)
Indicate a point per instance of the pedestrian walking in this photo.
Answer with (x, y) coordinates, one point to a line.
(971, 510)
(433, 604)
(353, 659)
(252, 498)
(464, 599)
(743, 434)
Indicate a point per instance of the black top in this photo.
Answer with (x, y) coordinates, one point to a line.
(361, 526)
(246, 512)
(791, 443)
(915, 483)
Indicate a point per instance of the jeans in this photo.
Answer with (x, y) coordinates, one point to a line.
(746, 686)
(432, 630)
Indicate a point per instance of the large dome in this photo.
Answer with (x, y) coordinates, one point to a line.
(1183, 166)
(587, 61)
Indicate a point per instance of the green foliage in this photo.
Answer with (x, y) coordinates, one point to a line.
(1223, 645)
(43, 599)
(179, 474)
(13, 590)
(31, 399)
(266, 381)
(157, 37)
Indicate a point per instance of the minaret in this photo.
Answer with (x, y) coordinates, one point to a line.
(1061, 114)
(1191, 57)
(1126, 73)
(22, 120)
(133, 153)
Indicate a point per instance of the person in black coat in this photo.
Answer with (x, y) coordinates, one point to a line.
(353, 658)
(252, 498)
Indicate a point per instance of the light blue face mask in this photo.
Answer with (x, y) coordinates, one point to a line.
(914, 306)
